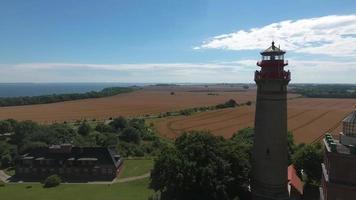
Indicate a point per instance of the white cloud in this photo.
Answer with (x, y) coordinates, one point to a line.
(333, 35)
(317, 71)
(144, 72)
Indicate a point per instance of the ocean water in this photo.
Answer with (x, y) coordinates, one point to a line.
(35, 89)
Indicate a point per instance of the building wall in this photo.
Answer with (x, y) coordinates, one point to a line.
(270, 156)
(341, 167)
(102, 173)
(338, 191)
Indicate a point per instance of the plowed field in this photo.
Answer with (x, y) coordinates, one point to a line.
(307, 118)
(135, 104)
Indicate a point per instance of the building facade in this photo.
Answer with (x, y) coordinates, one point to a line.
(70, 163)
(270, 155)
(339, 167)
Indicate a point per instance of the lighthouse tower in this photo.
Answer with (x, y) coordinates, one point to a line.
(270, 154)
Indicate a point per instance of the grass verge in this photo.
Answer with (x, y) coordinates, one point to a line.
(136, 167)
(135, 190)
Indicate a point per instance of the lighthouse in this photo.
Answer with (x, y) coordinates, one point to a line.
(270, 154)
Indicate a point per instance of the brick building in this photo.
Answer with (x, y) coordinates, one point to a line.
(70, 163)
(339, 167)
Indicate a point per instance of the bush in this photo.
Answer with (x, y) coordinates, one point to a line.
(249, 103)
(119, 123)
(52, 181)
(84, 129)
(5, 160)
(130, 135)
(2, 184)
(228, 104)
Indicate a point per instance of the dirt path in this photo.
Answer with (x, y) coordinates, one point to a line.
(134, 178)
(3, 176)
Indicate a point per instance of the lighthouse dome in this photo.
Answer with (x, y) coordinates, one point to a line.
(349, 125)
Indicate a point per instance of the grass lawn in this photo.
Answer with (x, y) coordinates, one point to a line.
(135, 190)
(136, 167)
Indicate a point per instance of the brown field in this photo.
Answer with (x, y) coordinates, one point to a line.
(307, 118)
(135, 104)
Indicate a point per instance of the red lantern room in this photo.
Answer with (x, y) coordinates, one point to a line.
(272, 65)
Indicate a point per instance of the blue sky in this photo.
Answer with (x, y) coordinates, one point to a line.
(173, 41)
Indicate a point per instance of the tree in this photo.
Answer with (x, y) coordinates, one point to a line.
(5, 127)
(104, 128)
(84, 129)
(130, 135)
(201, 166)
(52, 181)
(309, 158)
(23, 131)
(119, 123)
(5, 160)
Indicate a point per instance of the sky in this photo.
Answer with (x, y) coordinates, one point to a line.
(174, 41)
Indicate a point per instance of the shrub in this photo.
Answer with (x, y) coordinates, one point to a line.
(5, 160)
(2, 184)
(130, 135)
(249, 103)
(228, 104)
(52, 181)
(119, 123)
(84, 129)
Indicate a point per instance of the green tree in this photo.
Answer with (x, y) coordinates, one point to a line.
(130, 135)
(23, 131)
(5, 127)
(84, 129)
(309, 158)
(104, 128)
(201, 166)
(119, 123)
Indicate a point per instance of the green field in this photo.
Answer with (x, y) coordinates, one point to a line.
(135, 167)
(135, 190)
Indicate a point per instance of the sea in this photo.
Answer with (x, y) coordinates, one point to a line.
(36, 89)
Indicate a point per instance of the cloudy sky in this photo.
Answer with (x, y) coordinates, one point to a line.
(174, 41)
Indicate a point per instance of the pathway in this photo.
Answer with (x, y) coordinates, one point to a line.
(3, 176)
(134, 178)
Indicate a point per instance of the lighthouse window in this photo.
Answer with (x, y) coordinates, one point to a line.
(280, 57)
(266, 58)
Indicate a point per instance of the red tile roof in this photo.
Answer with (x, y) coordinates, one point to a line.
(294, 180)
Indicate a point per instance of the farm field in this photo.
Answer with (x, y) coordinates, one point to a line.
(135, 104)
(308, 118)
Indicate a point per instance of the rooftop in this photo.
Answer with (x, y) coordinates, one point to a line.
(335, 146)
(273, 50)
(351, 118)
(100, 154)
